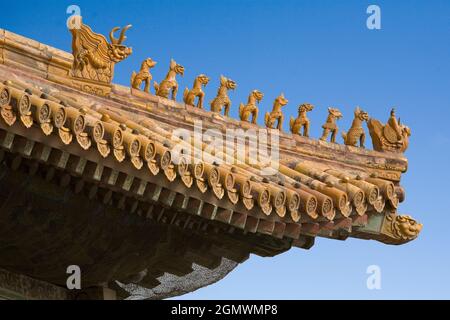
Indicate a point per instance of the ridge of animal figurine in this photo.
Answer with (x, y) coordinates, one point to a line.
(196, 92)
(276, 113)
(143, 75)
(169, 84)
(251, 108)
(95, 57)
(356, 133)
(330, 125)
(302, 120)
(222, 100)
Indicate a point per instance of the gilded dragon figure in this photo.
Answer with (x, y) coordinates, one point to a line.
(356, 132)
(302, 120)
(390, 137)
(196, 92)
(251, 108)
(94, 57)
(143, 75)
(222, 100)
(330, 125)
(169, 84)
(276, 113)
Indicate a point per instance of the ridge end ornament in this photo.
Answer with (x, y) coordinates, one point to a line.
(399, 229)
(94, 56)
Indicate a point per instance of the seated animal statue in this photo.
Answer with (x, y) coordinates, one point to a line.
(356, 132)
(330, 125)
(392, 137)
(143, 75)
(170, 84)
(302, 120)
(222, 100)
(196, 92)
(276, 113)
(251, 108)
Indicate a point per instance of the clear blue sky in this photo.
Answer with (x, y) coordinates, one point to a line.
(319, 52)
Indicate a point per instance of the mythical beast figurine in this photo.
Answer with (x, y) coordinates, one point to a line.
(356, 132)
(302, 120)
(94, 57)
(189, 96)
(399, 229)
(390, 137)
(222, 100)
(170, 82)
(143, 75)
(251, 108)
(276, 113)
(330, 125)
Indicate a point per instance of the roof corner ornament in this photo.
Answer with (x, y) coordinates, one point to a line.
(393, 136)
(302, 120)
(251, 108)
(94, 56)
(196, 92)
(143, 75)
(169, 84)
(330, 125)
(399, 229)
(356, 133)
(276, 113)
